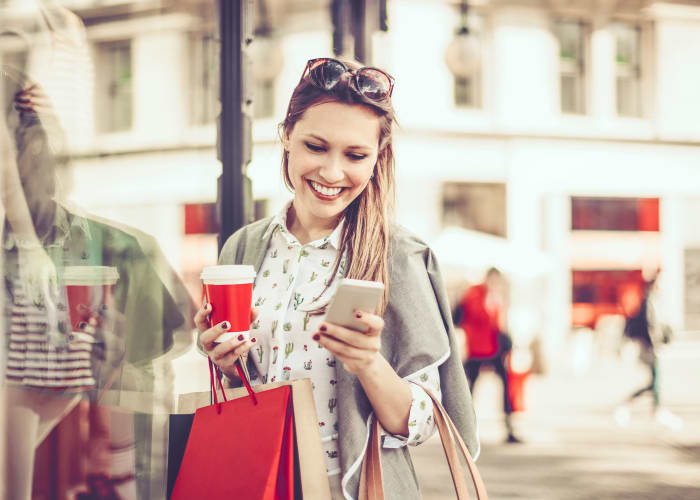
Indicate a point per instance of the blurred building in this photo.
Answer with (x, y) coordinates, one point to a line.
(571, 134)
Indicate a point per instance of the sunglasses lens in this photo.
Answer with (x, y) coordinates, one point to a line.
(373, 84)
(326, 73)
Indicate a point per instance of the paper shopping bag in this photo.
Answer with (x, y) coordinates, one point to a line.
(178, 434)
(269, 450)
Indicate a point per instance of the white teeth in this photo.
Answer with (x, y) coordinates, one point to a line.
(326, 191)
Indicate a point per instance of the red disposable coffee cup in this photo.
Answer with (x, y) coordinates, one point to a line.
(90, 290)
(229, 290)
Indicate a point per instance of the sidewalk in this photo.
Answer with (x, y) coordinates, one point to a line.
(573, 449)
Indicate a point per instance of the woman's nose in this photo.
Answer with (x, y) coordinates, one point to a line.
(331, 171)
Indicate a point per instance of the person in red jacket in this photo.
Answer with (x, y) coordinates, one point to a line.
(481, 314)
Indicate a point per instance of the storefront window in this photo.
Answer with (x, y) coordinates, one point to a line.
(614, 214)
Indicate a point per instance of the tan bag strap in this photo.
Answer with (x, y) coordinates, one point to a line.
(371, 486)
(448, 443)
(371, 478)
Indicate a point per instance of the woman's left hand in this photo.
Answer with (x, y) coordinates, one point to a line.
(357, 351)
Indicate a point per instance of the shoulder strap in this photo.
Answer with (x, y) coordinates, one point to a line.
(371, 484)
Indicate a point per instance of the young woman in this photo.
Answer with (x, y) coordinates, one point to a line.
(338, 161)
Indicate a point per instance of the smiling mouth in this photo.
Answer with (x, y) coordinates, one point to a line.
(324, 191)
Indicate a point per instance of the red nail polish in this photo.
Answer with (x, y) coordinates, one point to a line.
(240, 337)
(323, 328)
(253, 340)
(358, 315)
(316, 337)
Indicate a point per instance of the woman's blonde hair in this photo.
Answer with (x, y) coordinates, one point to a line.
(366, 234)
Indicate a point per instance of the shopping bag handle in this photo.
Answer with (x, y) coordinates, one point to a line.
(212, 371)
(371, 484)
(242, 372)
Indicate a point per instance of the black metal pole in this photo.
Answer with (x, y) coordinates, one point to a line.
(234, 124)
(359, 26)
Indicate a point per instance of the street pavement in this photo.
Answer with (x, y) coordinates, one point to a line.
(573, 448)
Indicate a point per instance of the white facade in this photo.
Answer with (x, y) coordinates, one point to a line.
(518, 136)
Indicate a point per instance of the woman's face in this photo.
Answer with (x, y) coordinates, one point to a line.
(332, 152)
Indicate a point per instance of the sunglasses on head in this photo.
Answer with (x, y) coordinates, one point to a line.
(372, 83)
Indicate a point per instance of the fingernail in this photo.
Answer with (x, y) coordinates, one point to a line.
(240, 337)
(253, 340)
(322, 328)
(358, 314)
(224, 325)
(316, 337)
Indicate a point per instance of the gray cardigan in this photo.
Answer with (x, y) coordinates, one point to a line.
(418, 334)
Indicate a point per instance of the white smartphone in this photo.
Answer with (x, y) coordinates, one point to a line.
(352, 295)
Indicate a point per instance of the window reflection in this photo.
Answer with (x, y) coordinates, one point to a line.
(628, 69)
(114, 80)
(571, 35)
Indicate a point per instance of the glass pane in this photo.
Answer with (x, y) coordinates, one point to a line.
(628, 96)
(627, 44)
(615, 214)
(628, 60)
(114, 92)
(475, 205)
(572, 93)
(264, 99)
(571, 37)
(109, 182)
(596, 293)
(205, 78)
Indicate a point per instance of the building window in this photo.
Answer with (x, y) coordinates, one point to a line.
(115, 83)
(628, 51)
(479, 206)
(264, 99)
(261, 208)
(572, 65)
(692, 288)
(205, 79)
(201, 218)
(600, 292)
(614, 214)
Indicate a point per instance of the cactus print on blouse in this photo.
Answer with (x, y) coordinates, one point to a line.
(290, 278)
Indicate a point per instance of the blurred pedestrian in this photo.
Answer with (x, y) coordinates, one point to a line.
(338, 161)
(642, 327)
(482, 315)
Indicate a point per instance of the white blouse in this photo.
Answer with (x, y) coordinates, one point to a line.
(290, 278)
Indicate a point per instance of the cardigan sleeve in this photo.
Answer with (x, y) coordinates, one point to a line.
(419, 334)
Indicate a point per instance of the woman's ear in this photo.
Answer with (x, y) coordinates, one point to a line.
(285, 141)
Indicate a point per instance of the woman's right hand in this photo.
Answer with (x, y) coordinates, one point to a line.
(223, 354)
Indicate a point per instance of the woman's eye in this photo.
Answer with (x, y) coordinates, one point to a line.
(314, 147)
(356, 156)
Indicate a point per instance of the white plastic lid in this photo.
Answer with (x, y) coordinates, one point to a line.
(90, 275)
(228, 274)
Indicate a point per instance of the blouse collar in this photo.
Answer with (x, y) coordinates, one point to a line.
(279, 224)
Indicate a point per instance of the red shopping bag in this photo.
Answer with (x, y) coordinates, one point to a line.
(516, 386)
(242, 449)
